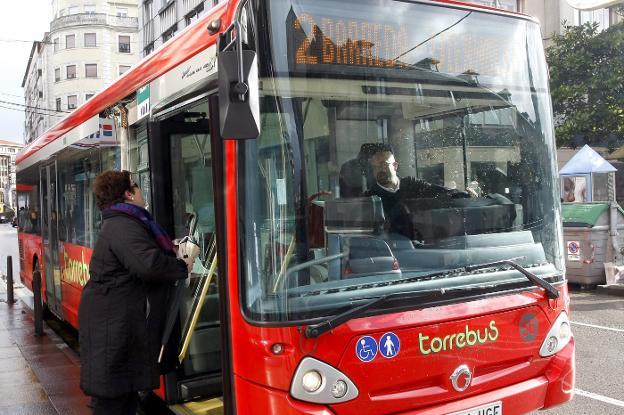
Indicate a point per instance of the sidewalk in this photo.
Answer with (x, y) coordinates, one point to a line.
(38, 375)
(611, 289)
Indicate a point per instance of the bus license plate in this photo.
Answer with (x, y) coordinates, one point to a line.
(495, 408)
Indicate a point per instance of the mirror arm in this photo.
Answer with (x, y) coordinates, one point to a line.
(236, 42)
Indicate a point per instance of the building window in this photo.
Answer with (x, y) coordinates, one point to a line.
(194, 14)
(122, 12)
(72, 102)
(148, 49)
(71, 71)
(89, 8)
(88, 96)
(91, 70)
(90, 40)
(58, 104)
(70, 41)
(124, 44)
(169, 33)
(56, 44)
(600, 16)
(123, 68)
(147, 9)
(72, 10)
(57, 74)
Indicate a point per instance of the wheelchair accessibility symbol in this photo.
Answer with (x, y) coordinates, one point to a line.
(366, 348)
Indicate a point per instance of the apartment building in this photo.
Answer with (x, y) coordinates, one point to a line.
(160, 20)
(8, 150)
(553, 15)
(90, 43)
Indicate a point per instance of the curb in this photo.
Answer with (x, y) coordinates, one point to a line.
(611, 289)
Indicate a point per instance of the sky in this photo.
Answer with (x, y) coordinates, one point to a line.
(21, 23)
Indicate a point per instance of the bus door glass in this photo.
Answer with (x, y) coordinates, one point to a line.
(192, 196)
(49, 222)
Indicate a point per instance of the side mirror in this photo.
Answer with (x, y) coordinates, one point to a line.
(239, 103)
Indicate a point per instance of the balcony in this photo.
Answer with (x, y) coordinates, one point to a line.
(81, 19)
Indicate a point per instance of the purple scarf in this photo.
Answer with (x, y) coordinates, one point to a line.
(146, 218)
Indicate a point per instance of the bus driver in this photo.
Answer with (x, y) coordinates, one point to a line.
(393, 190)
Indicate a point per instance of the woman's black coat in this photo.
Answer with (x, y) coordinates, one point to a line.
(122, 308)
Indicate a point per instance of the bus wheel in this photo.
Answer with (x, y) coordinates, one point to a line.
(45, 311)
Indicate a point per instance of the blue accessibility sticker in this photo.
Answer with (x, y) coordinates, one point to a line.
(366, 348)
(389, 345)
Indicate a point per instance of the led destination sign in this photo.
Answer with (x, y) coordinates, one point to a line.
(335, 41)
(457, 43)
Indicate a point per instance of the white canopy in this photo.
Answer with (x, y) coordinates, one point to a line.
(586, 161)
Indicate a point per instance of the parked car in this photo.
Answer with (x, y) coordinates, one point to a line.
(6, 216)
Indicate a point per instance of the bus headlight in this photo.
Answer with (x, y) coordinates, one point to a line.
(317, 382)
(558, 336)
(311, 381)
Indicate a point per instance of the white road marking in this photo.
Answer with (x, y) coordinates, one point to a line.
(600, 398)
(598, 327)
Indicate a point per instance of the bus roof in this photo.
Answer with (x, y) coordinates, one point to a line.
(191, 41)
(181, 47)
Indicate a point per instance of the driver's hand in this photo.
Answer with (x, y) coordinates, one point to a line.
(471, 192)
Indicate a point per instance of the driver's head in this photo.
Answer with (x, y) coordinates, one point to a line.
(384, 167)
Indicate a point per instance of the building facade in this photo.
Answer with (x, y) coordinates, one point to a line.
(554, 15)
(90, 43)
(8, 150)
(160, 20)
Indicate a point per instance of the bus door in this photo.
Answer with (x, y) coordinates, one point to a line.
(189, 161)
(49, 233)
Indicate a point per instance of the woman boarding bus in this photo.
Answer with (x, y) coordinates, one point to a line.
(258, 120)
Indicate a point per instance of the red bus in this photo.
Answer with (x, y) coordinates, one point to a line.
(261, 120)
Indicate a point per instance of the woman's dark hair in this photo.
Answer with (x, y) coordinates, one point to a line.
(110, 187)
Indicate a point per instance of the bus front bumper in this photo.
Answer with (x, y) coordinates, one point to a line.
(554, 387)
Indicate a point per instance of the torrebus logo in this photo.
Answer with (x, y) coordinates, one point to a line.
(75, 266)
(465, 338)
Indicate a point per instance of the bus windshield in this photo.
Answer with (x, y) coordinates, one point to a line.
(401, 142)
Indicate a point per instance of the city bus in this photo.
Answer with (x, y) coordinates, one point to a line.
(259, 123)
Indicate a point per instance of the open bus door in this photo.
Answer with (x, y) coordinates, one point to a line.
(182, 161)
(49, 233)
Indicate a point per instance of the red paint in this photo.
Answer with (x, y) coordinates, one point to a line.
(256, 399)
(160, 392)
(31, 250)
(23, 187)
(74, 262)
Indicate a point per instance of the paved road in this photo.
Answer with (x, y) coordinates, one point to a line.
(598, 327)
(8, 246)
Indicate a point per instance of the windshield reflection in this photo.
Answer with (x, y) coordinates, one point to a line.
(383, 169)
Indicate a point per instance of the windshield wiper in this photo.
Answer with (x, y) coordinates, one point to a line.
(315, 330)
(551, 292)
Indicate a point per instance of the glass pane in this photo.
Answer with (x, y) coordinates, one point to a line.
(191, 169)
(399, 139)
(138, 161)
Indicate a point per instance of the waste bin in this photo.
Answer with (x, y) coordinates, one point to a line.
(587, 241)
